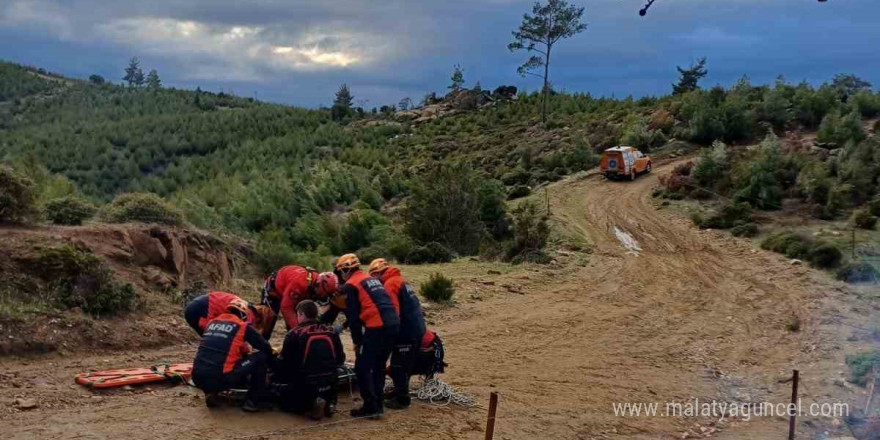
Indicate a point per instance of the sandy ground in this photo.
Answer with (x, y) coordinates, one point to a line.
(685, 314)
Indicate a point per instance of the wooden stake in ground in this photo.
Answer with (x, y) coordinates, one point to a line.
(490, 422)
(794, 385)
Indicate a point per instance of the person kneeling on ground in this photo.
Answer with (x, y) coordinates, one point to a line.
(224, 359)
(374, 326)
(308, 365)
(412, 330)
(203, 309)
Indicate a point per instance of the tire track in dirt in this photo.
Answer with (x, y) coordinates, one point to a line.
(695, 314)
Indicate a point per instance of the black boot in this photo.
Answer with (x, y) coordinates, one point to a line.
(213, 400)
(397, 403)
(252, 406)
(318, 410)
(364, 412)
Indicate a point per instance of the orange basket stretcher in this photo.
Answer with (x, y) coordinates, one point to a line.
(160, 372)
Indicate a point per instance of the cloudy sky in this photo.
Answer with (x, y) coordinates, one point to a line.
(299, 51)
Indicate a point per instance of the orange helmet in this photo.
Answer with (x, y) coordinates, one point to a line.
(348, 262)
(378, 266)
(238, 307)
(327, 285)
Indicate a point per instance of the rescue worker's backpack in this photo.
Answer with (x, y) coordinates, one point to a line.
(320, 356)
(430, 360)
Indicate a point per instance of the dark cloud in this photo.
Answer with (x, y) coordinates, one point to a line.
(300, 51)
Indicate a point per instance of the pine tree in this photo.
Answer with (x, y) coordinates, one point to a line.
(549, 24)
(139, 78)
(457, 78)
(690, 77)
(153, 81)
(342, 104)
(343, 96)
(134, 76)
(405, 104)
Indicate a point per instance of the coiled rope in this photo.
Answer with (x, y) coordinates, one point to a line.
(439, 393)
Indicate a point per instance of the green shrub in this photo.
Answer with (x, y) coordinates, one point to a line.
(825, 255)
(141, 207)
(359, 230)
(18, 203)
(493, 211)
(582, 157)
(813, 183)
(399, 245)
(639, 136)
(838, 130)
(745, 230)
(712, 165)
(799, 250)
(314, 230)
(776, 108)
(867, 103)
(372, 252)
(78, 278)
(518, 176)
(446, 207)
(372, 198)
(438, 288)
(273, 250)
(860, 272)
(861, 365)
(760, 186)
(728, 216)
(862, 218)
(790, 244)
(430, 253)
(707, 125)
(518, 192)
(840, 198)
(530, 231)
(70, 210)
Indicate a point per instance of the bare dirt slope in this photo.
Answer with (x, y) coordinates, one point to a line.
(676, 315)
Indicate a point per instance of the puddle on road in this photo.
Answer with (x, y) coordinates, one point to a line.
(627, 241)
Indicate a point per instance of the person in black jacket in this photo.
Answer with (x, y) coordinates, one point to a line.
(374, 325)
(225, 358)
(412, 330)
(307, 365)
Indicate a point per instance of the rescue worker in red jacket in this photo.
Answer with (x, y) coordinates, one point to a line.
(307, 365)
(412, 330)
(204, 308)
(225, 358)
(285, 288)
(374, 326)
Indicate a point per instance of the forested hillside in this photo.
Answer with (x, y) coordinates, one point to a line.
(312, 181)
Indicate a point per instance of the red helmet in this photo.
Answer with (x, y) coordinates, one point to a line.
(327, 285)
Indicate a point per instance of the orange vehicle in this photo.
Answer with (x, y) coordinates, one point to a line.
(624, 163)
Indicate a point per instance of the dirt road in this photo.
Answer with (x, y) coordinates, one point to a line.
(659, 312)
